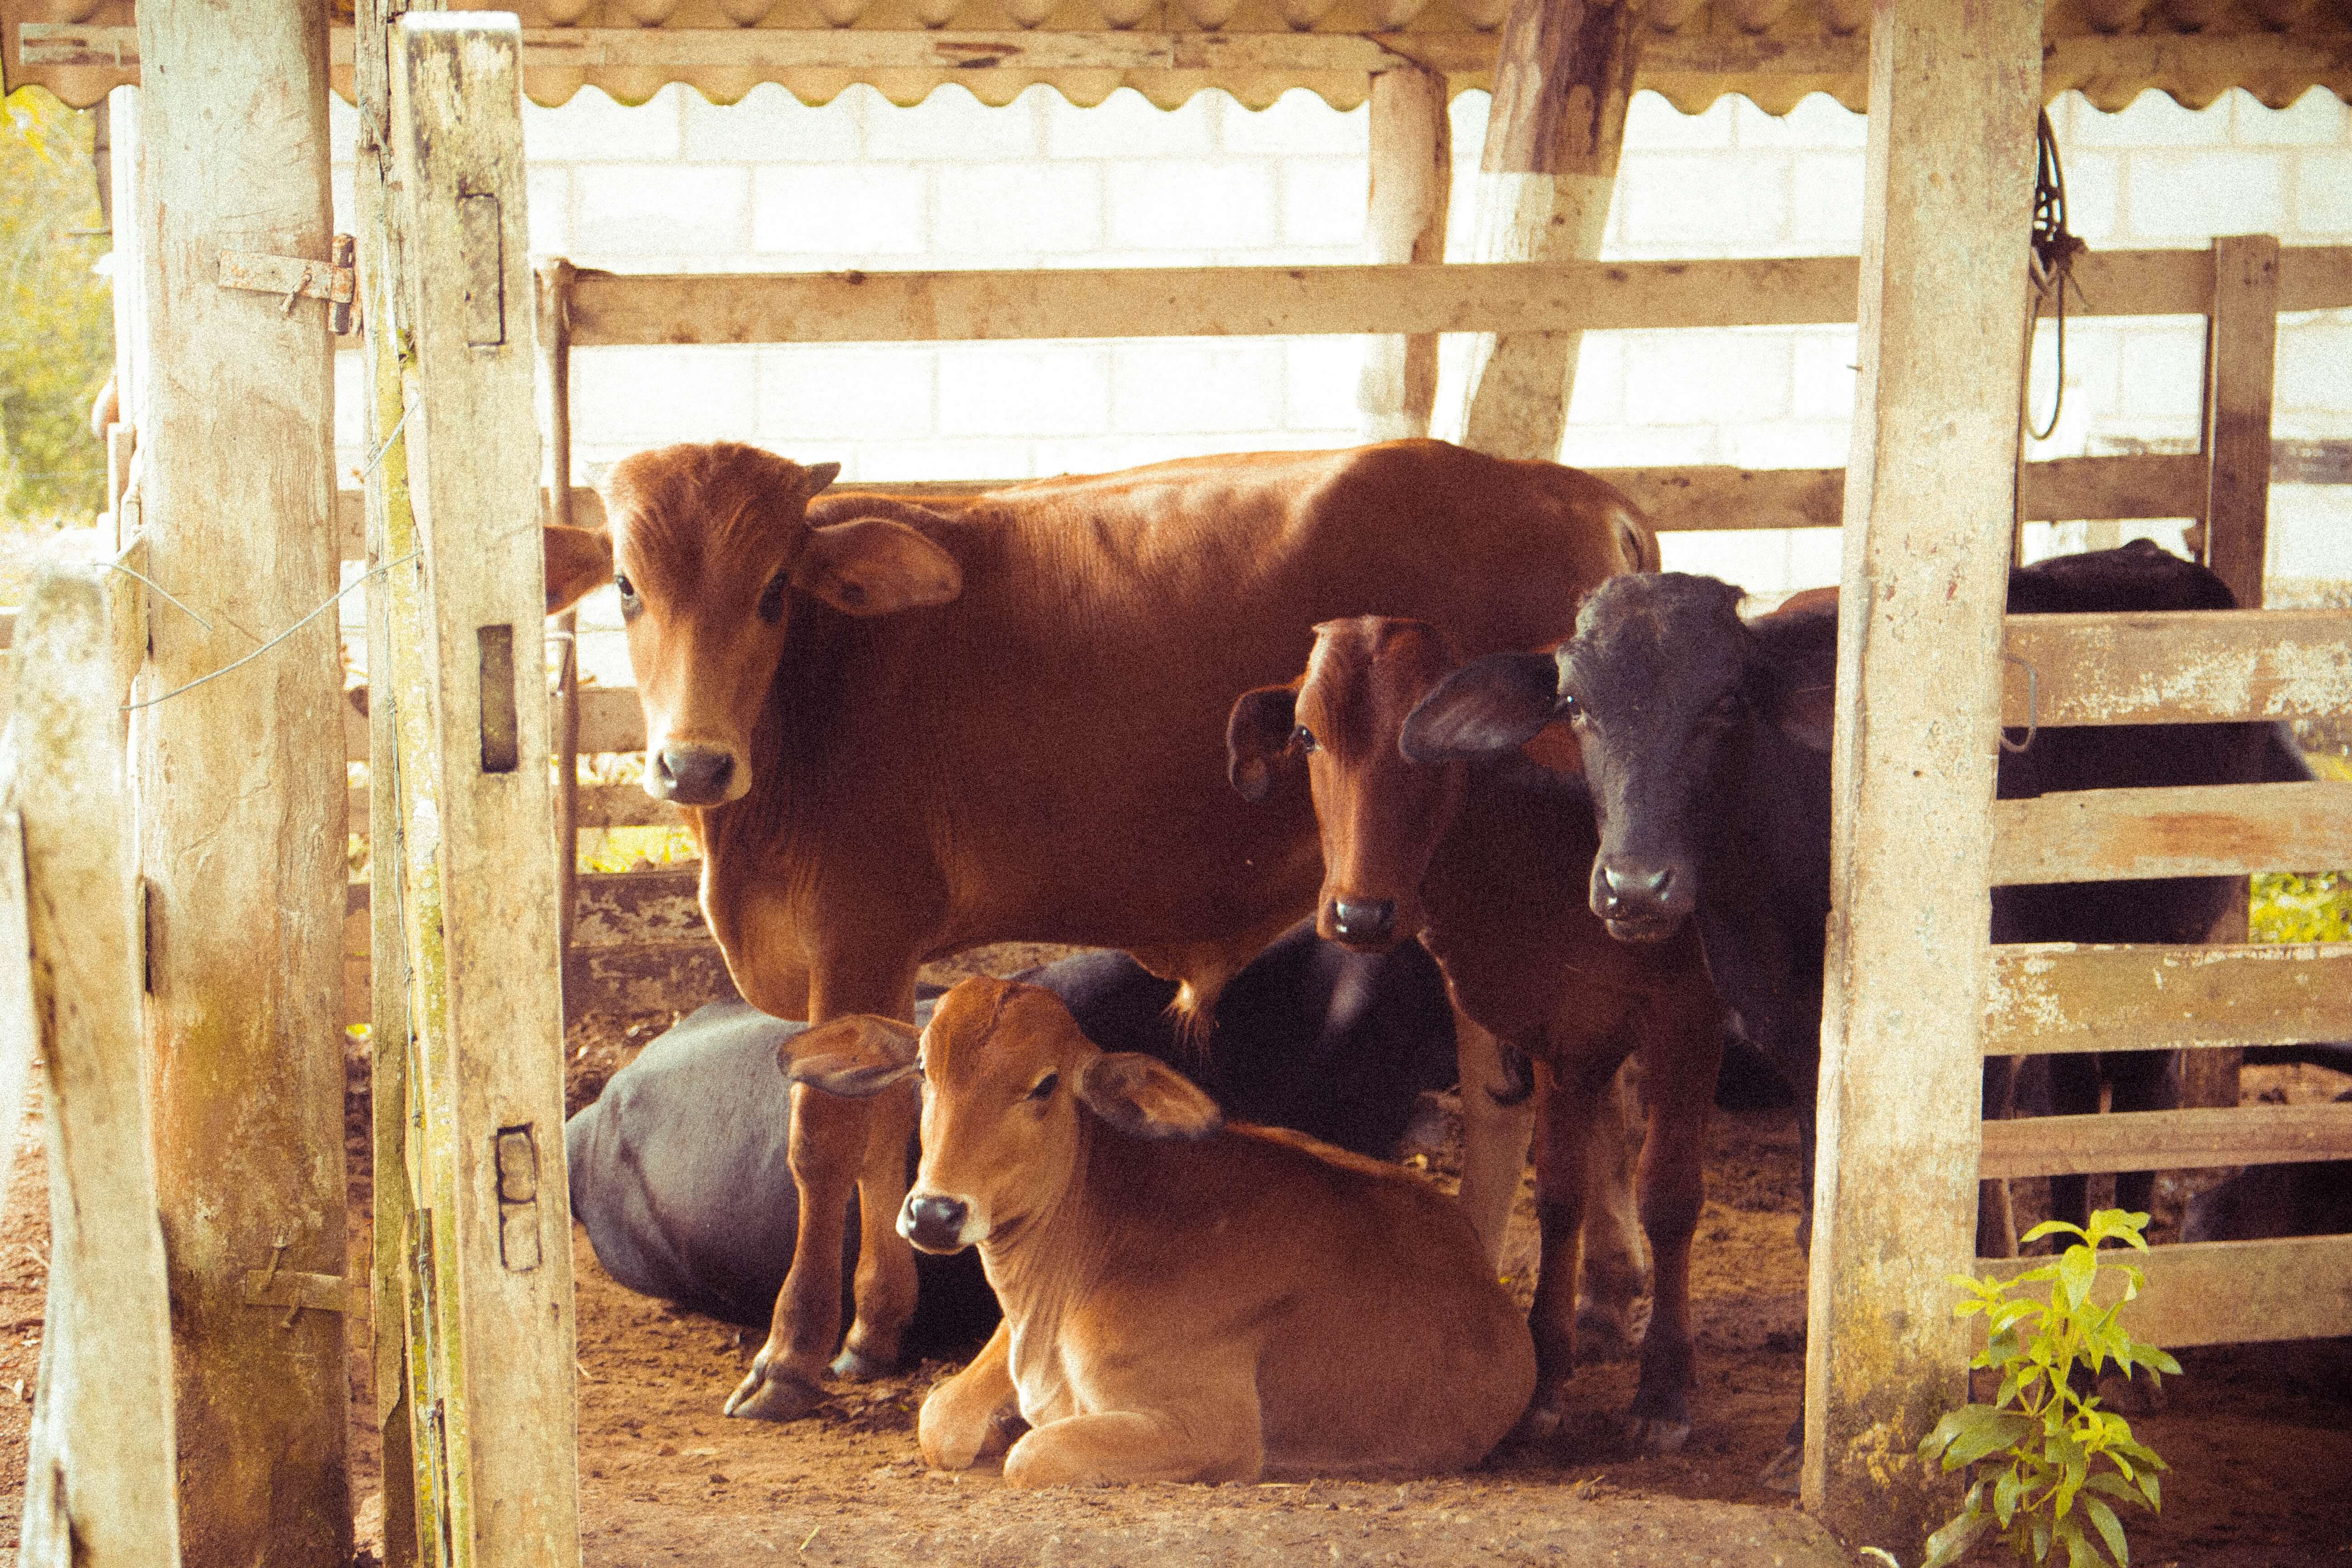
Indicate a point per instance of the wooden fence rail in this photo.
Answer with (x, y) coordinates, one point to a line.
(2226, 1292)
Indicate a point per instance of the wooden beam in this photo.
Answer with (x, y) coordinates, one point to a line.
(2180, 668)
(1412, 142)
(610, 721)
(479, 889)
(1928, 501)
(102, 1487)
(601, 806)
(2208, 830)
(2225, 1292)
(554, 383)
(243, 1029)
(2241, 355)
(1563, 80)
(2166, 1140)
(2060, 996)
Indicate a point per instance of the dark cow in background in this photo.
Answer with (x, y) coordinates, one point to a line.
(680, 1169)
(1704, 742)
(902, 729)
(1486, 863)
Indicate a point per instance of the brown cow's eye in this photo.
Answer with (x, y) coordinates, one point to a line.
(771, 600)
(1568, 708)
(1303, 738)
(630, 603)
(1045, 1086)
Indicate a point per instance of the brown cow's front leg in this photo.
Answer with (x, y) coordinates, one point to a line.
(1563, 1115)
(974, 1414)
(828, 1146)
(1614, 1278)
(1682, 1053)
(886, 1268)
(1494, 1134)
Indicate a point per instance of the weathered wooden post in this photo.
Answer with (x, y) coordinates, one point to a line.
(242, 780)
(101, 1484)
(554, 279)
(2241, 357)
(1413, 179)
(1562, 83)
(1953, 92)
(491, 1314)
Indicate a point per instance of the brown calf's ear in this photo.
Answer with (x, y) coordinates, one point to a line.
(855, 1057)
(1143, 1096)
(579, 561)
(816, 477)
(1490, 705)
(872, 566)
(1257, 732)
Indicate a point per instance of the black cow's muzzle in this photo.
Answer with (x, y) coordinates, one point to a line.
(933, 1223)
(1639, 901)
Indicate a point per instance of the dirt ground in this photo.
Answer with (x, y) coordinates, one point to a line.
(2260, 1439)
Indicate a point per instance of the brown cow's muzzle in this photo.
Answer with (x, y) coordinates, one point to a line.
(934, 1223)
(693, 774)
(1367, 925)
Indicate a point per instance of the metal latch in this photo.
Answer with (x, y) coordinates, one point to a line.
(296, 278)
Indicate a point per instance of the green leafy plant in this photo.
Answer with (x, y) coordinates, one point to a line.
(2051, 1463)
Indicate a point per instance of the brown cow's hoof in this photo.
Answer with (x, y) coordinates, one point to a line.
(859, 1367)
(1651, 1436)
(1610, 1333)
(772, 1393)
(1539, 1425)
(1786, 1471)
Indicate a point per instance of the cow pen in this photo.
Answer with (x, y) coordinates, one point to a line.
(490, 942)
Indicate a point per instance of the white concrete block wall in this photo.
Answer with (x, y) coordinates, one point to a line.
(679, 183)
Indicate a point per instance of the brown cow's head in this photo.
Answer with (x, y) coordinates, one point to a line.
(1380, 815)
(713, 554)
(1006, 1072)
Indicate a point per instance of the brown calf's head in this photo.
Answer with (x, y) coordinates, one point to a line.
(713, 554)
(1381, 815)
(1006, 1076)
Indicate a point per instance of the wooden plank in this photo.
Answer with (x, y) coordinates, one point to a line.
(1088, 302)
(1563, 80)
(2178, 667)
(19, 1031)
(2060, 996)
(554, 385)
(2210, 830)
(243, 951)
(610, 721)
(2166, 1140)
(104, 1486)
(602, 806)
(480, 891)
(1928, 502)
(1412, 158)
(2226, 1292)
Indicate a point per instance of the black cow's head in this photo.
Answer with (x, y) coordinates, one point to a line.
(1663, 685)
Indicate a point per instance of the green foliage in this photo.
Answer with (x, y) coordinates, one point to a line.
(2052, 1464)
(2289, 908)
(57, 328)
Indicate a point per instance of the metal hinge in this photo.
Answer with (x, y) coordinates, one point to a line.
(294, 278)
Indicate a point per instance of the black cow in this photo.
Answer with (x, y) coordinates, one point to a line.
(679, 1169)
(1706, 741)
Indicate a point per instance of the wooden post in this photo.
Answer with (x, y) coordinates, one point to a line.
(1412, 177)
(555, 479)
(2240, 355)
(242, 796)
(101, 1483)
(1952, 97)
(1562, 83)
(467, 678)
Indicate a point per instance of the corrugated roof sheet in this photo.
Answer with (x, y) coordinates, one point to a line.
(1773, 52)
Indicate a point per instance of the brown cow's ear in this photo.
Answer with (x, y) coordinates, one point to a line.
(1143, 1096)
(579, 561)
(855, 1057)
(1258, 734)
(872, 566)
(1490, 705)
(816, 477)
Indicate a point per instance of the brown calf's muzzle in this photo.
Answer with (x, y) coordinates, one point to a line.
(694, 774)
(934, 1223)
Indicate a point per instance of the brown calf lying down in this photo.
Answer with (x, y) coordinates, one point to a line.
(1185, 1300)
(1485, 864)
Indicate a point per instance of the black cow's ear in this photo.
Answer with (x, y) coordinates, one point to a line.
(1490, 705)
(1143, 1096)
(1257, 733)
(1805, 713)
(855, 1057)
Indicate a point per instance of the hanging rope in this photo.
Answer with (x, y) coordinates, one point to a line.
(2051, 264)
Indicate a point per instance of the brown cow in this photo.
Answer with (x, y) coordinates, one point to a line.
(1486, 865)
(902, 729)
(1185, 1300)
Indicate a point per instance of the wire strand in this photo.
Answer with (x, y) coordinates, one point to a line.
(337, 598)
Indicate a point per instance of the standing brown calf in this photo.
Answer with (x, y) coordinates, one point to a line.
(1488, 866)
(903, 730)
(1183, 1300)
